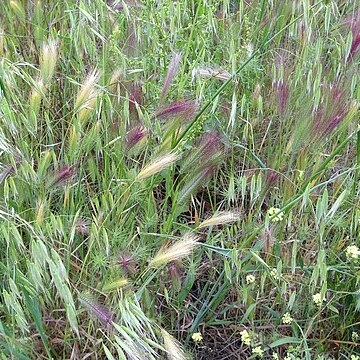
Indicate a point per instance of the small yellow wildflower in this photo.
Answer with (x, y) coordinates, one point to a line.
(318, 299)
(197, 337)
(275, 356)
(245, 337)
(280, 215)
(354, 357)
(352, 252)
(274, 274)
(258, 351)
(287, 319)
(250, 279)
(355, 336)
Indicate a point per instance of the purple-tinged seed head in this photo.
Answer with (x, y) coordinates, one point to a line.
(127, 263)
(281, 82)
(183, 109)
(173, 67)
(82, 227)
(6, 172)
(98, 310)
(331, 113)
(62, 175)
(353, 22)
(134, 136)
(271, 178)
(211, 147)
(135, 98)
(209, 151)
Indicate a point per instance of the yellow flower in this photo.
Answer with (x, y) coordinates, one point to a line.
(250, 279)
(275, 356)
(197, 337)
(287, 319)
(245, 337)
(352, 252)
(318, 299)
(258, 351)
(354, 357)
(355, 336)
(272, 211)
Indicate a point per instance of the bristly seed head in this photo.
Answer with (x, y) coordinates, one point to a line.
(183, 109)
(134, 136)
(98, 310)
(208, 152)
(332, 112)
(157, 166)
(173, 67)
(48, 61)
(127, 263)
(176, 251)
(353, 22)
(220, 219)
(87, 96)
(135, 99)
(62, 175)
(82, 227)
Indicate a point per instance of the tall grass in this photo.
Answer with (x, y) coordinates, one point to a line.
(178, 168)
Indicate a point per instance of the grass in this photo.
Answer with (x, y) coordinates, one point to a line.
(178, 168)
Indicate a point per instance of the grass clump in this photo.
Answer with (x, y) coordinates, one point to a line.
(179, 179)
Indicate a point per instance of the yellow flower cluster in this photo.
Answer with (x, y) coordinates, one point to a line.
(280, 215)
(352, 252)
(317, 298)
(250, 279)
(287, 319)
(258, 351)
(245, 337)
(197, 337)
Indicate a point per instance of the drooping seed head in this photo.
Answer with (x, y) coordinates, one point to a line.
(134, 136)
(183, 109)
(157, 166)
(176, 251)
(220, 219)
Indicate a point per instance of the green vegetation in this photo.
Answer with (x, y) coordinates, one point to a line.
(179, 179)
